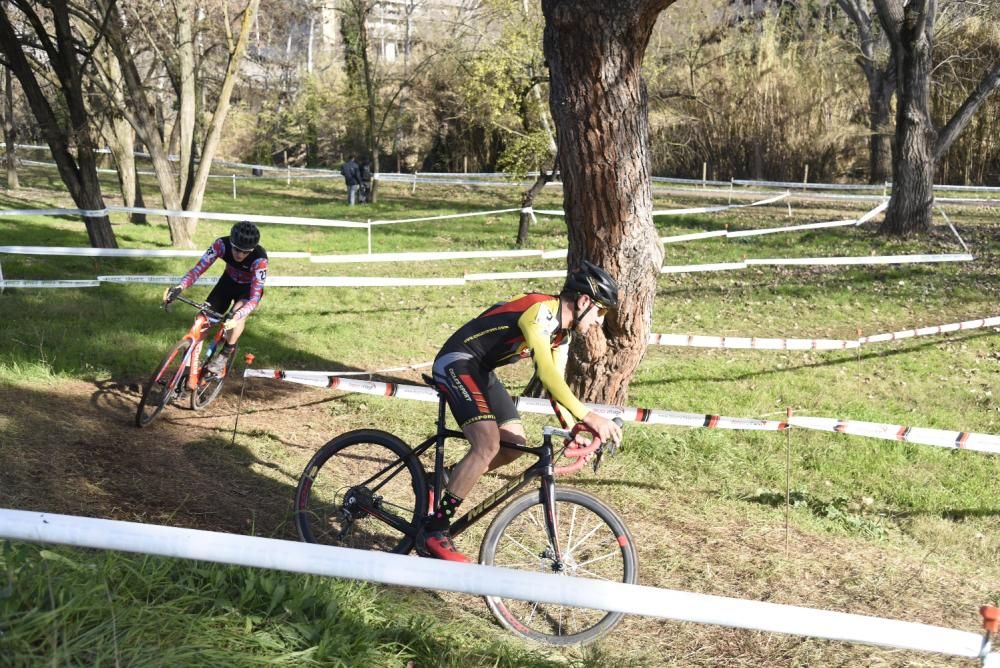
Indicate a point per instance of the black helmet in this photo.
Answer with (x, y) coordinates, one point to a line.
(244, 236)
(591, 280)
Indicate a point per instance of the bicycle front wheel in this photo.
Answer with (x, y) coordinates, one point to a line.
(594, 544)
(162, 387)
(364, 489)
(209, 384)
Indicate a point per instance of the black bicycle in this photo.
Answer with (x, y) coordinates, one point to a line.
(368, 489)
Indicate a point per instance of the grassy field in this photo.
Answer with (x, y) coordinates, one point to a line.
(876, 527)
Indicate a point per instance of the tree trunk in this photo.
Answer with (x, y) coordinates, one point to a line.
(528, 202)
(10, 131)
(598, 100)
(910, 34)
(78, 173)
(186, 93)
(880, 92)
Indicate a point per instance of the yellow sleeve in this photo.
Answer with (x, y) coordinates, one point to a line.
(537, 324)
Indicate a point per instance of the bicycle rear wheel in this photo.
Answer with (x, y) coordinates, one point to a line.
(595, 544)
(162, 387)
(364, 489)
(209, 384)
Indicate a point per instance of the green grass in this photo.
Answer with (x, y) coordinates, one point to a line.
(881, 497)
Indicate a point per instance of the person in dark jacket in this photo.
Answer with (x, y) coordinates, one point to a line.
(352, 177)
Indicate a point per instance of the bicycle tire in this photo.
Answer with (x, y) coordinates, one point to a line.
(161, 388)
(596, 544)
(327, 506)
(210, 385)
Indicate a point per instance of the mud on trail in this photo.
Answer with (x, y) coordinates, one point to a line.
(72, 447)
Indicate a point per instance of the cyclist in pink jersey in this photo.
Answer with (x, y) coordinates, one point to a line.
(242, 283)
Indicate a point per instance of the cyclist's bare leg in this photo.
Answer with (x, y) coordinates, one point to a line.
(510, 432)
(484, 437)
(233, 335)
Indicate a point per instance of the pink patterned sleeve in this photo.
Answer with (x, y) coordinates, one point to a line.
(259, 271)
(214, 252)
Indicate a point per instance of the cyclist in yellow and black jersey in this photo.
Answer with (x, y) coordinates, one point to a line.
(534, 325)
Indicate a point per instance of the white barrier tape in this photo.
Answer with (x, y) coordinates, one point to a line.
(509, 275)
(759, 343)
(301, 281)
(694, 236)
(693, 268)
(874, 212)
(419, 256)
(792, 228)
(526, 404)
(864, 260)
(402, 570)
(751, 343)
(86, 213)
(988, 443)
(237, 217)
(446, 217)
(993, 321)
(956, 440)
(4, 284)
(122, 252)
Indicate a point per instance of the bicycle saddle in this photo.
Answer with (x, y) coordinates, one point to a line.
(429, 380)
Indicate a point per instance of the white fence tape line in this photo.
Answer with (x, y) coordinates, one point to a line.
(993, 321)
(525, 404)
(480, 580)
(693, 268)
(874, 212)
(86, 213)
(942, 438)
(792, 228)
(749, 343)
(511, 275)
(761, 343)
(122, 252)
(357, 281)
(4, 284)
(694, 236)
(236, 217)
(863, 260)
(445, 217)
(363, 258)
(988, 443)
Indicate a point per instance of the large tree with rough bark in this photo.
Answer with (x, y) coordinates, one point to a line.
(919, 146)
(594, 50)
(49, 56)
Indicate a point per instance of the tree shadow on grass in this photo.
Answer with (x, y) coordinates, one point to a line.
(814, 365)
(62, 454)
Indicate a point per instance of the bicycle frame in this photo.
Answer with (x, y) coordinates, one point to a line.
(196, 335)
(543, 469)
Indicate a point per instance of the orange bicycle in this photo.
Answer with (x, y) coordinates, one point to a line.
(183, 370)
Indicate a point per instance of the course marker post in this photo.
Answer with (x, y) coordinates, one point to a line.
(248, 358)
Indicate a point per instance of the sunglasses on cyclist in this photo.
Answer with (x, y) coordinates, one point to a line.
(601, 310)
(242, 250)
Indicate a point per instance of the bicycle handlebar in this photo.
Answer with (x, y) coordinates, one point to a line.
(203, 307)
(580, 453)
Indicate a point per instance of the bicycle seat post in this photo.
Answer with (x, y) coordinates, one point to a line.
(439, 450)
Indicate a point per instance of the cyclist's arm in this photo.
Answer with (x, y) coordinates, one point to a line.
(259, 271)
(214, 252)
(546, 365)
(561, 355)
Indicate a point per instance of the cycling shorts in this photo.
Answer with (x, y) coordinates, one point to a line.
(473, 393)
(226, 292)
